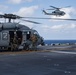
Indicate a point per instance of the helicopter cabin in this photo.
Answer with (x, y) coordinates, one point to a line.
(13, 34)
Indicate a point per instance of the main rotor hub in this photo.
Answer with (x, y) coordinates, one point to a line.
(9, 16)
(12, 16)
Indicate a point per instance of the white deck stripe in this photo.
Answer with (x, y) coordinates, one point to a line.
(64, 52)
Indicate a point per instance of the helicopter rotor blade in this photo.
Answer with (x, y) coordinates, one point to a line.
(54, 7)
(64, 19)
(51, 18)
(1, 16)
(66, 6)
(59, 8)
(31, 21)
(50, 9)
(12, 16)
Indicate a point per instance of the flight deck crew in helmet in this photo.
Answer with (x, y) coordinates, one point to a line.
(15, 39)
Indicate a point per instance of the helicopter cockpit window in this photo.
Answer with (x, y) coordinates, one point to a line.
(28, 35)
(36, 33)
(53, 12)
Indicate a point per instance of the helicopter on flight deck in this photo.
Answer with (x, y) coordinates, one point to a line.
(15, 36)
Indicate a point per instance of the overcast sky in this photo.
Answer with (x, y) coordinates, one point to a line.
(49, 29)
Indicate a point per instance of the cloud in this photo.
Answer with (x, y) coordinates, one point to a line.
(57, 27)
(26, 11)
(18, 1)
(64, 28)
(70, 10)
(45, 28)
(30, 25)
(58, 31)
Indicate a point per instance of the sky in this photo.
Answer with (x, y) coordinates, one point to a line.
(48, 29)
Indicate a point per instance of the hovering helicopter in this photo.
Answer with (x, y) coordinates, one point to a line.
(15, 36)
(56, 12)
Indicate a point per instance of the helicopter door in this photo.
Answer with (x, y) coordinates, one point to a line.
(11, 33)
(19, 36)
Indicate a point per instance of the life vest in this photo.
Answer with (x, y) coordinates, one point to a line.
(33, 38)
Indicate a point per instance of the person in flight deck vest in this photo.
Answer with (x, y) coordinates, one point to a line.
(34, 39)
(15, 39)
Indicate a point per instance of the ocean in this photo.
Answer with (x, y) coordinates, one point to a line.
(59, 41)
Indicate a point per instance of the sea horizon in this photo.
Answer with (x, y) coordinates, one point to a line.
(60, 41)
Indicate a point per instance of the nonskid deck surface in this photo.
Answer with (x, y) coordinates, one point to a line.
(42, 62)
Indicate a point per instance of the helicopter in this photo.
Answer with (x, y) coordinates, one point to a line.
(56, 12)
(15, 36)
